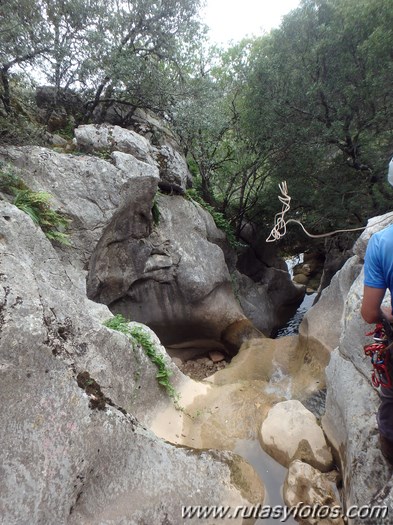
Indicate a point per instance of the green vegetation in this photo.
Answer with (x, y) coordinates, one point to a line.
(218, 217)
(36, 204)
(119, 323)
(114, 53)
(319, 107)
(309, 103)
(155, 212)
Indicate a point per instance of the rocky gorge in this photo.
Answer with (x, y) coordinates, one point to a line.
(88, 434)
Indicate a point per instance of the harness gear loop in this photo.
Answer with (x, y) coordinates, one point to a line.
(380, 357)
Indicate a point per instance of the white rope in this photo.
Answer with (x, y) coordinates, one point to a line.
(280, 224)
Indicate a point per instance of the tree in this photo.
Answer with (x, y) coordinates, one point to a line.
(110, 50)
(207, 120)
(23, 38)
(319, 101)
(142, 51)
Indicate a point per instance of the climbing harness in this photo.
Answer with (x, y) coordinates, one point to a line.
(379, 352)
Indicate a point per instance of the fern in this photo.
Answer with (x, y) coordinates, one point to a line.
(120, 324)
(155, 212)
(36, 204)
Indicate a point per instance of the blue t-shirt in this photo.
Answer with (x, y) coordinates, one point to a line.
(378, 262)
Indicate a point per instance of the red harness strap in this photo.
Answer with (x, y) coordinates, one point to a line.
(380, 358)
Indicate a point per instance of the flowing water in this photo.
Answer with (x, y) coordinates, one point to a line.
(272, 473)
(292, 326)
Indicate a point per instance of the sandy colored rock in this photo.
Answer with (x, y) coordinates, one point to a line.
(307, 487)
(216, 357)
(290, 432)
(290, 370)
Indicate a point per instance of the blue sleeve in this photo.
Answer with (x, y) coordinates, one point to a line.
(373, 273)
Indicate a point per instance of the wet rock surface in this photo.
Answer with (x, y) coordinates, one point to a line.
(306, 486)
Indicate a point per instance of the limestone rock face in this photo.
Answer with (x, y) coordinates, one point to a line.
(324, 323)
(290, 432)
(113, 138)
(306, 487)
(185, 249)
(86, 189)
(129, 164)
(352, 402)
(171, 276)
(71, 452)
(171, 164)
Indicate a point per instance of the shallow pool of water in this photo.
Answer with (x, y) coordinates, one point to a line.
(271, 473)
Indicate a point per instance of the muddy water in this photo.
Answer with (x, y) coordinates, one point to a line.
(271, 473)
(226, 411)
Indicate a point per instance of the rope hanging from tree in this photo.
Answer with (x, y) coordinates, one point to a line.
(280, 223)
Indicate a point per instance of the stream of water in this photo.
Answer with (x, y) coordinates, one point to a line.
(272, 473)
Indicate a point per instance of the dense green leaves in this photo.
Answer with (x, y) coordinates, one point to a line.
(310, 103)
(320, 101)
(127, 50)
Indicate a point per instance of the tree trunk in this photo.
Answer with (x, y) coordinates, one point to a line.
(5, 97)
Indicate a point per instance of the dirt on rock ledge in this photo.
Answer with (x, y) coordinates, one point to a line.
(201, 368)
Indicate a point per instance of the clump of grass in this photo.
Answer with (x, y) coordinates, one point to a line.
(119, 323)
(155, 212)
(36, 204)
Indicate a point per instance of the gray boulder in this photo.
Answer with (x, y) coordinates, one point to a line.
(171, 276)
(71, 450)
(173, 166)
(85, 188)
(105, 138)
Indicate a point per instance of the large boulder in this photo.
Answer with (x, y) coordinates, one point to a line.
(290, 432)
(72, 450)
(171, 276)
(313, 494)
(86, 189)
(106, 139)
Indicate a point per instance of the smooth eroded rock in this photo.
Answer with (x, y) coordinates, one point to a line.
(307, 488)
(290, 432)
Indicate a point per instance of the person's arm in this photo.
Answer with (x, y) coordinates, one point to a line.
(371, 310)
